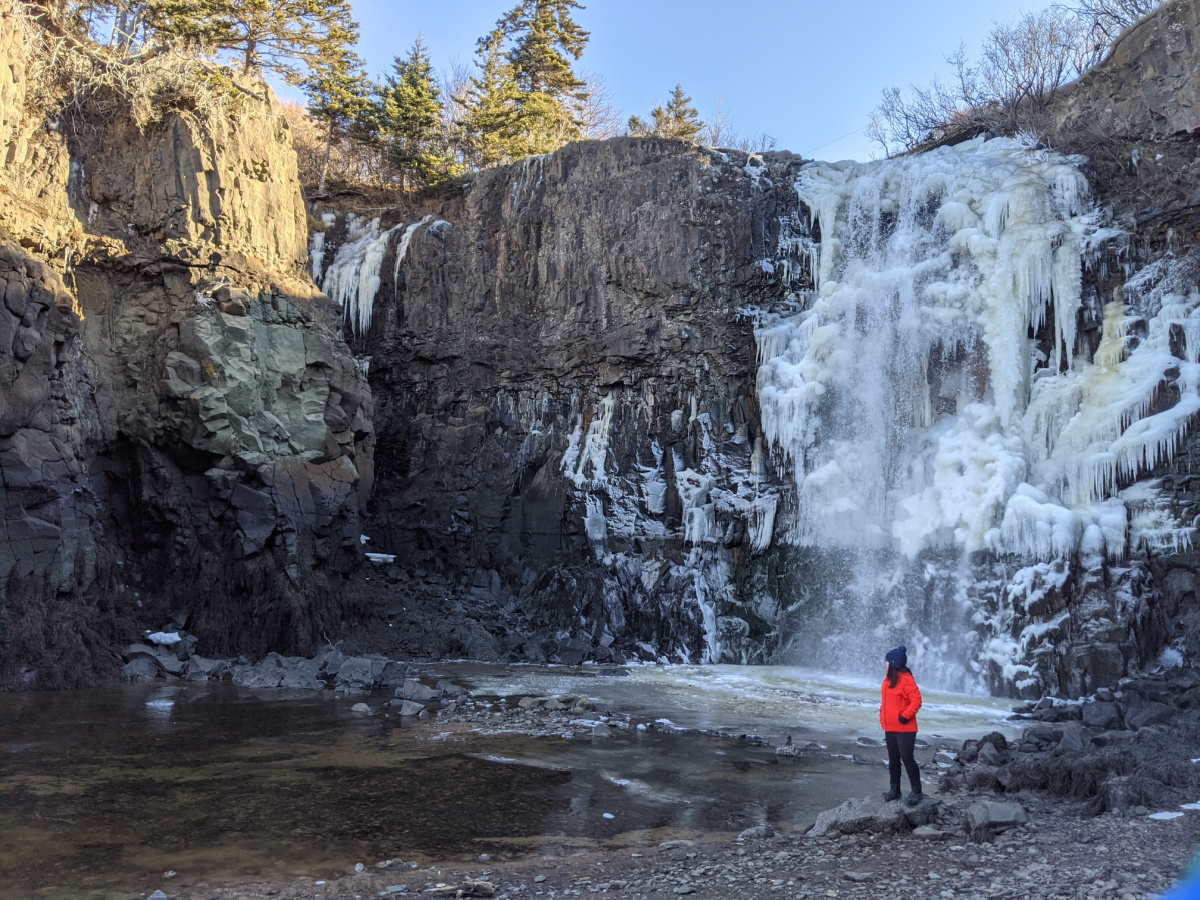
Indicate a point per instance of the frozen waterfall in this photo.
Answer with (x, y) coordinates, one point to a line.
(932, 393)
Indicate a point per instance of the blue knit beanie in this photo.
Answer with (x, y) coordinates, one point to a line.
(898, 657)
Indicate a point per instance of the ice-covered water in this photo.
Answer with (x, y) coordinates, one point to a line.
(932, 399)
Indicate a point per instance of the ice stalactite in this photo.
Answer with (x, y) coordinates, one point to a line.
(402, 248)
(353, 278)
(316, 251)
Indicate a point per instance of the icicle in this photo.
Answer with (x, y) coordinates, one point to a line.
(316, 250)
(353, 279)
(402, 249)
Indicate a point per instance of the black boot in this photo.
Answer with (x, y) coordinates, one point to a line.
(915, 797)
(893, 794)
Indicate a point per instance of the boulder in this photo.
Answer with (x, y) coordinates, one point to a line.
(198, 668)
(414, 690)
(1072, 740)
(872, 815)
(989, 755)
(1099, 714)
(303, 678)
(139, 668)
(986, 818)
(356, 674)
(263, 675)
(1140, 712)
(407, 707)
(329, 660)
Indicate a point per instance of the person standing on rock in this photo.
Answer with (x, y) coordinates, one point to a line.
(898, 716)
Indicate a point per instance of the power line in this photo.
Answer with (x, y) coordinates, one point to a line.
(843, 137)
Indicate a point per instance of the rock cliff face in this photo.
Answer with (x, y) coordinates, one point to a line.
(182, 433)
(568, 419)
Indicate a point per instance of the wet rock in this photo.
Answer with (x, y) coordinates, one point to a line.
(407, 707)
(356, 675)
(258, 677)
(198, 668)
(329, 660)
(601, 731)
(528, 702)
(868, 815)
(362, 709)
(139, 668)
(393, 674)
(859, 877)
(303, 678)
(414, 690)
(157, 895)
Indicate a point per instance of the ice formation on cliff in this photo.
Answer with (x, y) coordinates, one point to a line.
(353, 278)
(909, 398)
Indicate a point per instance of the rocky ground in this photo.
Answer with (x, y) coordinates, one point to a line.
(1056, 854)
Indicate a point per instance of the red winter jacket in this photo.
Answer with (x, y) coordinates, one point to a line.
(902, 700)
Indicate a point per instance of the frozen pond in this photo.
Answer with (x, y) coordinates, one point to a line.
(103, 791)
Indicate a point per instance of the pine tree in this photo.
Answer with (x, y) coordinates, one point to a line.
(527, 93)
(543, 31)
(268, 35)
(678, 119)
(411, 118)
(338, 95)
(492, 126)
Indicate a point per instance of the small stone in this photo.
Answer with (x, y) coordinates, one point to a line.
(757, 832)
(929, 833)
(538, 879)
(859, 877)
(157, 895)
(408, 707)
(362, 709)
(675, 845)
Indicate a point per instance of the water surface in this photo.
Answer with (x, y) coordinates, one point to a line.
(102, 791)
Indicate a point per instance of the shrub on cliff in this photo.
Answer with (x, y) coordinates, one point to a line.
(1021, 64)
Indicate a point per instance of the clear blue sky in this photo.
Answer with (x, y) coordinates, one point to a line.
(806, 72)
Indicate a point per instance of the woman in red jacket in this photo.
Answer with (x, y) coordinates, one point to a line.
(898, 716)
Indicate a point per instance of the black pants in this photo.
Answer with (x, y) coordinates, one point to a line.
(900, 746)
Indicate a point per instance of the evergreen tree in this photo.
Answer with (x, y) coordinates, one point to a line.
(492, 124)
(678, 119)
(270, 35)
(527, 92)
(411, 115)
(542, 32)
(338, 96)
